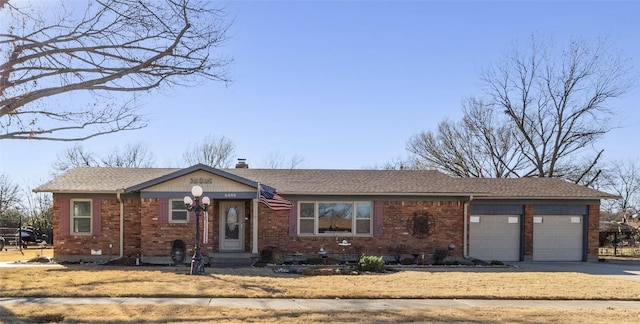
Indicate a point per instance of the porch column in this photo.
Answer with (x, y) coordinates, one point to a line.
(254, 250)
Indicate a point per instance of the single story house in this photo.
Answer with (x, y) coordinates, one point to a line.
(139, 213)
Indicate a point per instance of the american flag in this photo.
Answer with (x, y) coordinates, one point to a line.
(273, 200)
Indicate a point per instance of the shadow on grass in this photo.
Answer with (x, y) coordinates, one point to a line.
(192, 314)
(96, 281)
(180, 269)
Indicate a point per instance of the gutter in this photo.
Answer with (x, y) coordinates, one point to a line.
(465, 247)
(399, 194)
(121, 202)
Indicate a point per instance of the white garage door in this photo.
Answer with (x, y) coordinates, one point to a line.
(494, 237)
(557, 238)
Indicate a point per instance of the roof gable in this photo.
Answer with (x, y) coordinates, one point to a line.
(183, 172)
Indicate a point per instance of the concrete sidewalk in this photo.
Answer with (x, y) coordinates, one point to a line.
(328, 304)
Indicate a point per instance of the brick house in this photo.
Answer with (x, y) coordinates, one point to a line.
(111, 213)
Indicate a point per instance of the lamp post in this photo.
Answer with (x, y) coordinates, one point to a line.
(20, 230)
(197, 263)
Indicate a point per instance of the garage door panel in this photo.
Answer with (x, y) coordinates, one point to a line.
(495, 237)
(558, 238)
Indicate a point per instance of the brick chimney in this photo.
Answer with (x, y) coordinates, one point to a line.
(242, 164)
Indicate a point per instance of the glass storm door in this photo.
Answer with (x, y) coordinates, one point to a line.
(231, 226)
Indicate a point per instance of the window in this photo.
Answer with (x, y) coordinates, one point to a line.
(363, 218)
(80, 216)
(331, 218)
(178, 212)
(307, 218)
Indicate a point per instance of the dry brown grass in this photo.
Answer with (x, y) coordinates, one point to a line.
(12, 254)
(109, 281)
(198, 314)
(92, 280)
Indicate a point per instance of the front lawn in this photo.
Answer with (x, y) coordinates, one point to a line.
(113, 281)
(147, 281)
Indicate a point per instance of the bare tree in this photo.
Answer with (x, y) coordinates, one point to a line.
(276, 160)
(622, 179)
(132, 156)
(541, 111)
(477, 146)
(216, 152)
(40, 210)
(9, 194)
(72, 157)
(109, 51)
(397, 163)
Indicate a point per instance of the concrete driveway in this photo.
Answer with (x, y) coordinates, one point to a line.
(621, 269)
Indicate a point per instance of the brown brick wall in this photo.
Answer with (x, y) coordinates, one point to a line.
(528, 232)
(157, 236)
(146, 235)
(81, 245)
(593, 232)
(132, 233)
(274, 231)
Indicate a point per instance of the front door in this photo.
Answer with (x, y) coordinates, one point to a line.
(231, 226)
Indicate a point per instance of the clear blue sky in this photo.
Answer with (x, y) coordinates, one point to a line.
(346, 84)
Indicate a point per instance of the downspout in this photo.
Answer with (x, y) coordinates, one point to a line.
(465, 248)
(121, 202)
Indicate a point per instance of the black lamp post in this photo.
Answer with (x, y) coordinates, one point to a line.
(197, 263)
(20, 230)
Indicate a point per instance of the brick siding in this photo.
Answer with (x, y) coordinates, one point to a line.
(145, 234)
(107, 242)
(593, 232)
(448, 215)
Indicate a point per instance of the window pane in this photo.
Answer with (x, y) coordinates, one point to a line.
(307, 210)
(178, 205)
(335, 217)
(363, 226)
(306, 226)
(81, 208)
(82, 225)
(363, 210)
(178, 211)
(179, 215)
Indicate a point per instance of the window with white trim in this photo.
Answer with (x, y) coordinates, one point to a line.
(178, 212)
(335, 218)
(81, 216)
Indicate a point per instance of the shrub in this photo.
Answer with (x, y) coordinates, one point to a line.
(397, 250)
(266, 255)
(496, 263)
(439, 256)
(406, 261)
(371, 263)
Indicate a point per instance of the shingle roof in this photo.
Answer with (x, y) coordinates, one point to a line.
(539, 188)
(89, 179)
(317, 181)
(344, 182)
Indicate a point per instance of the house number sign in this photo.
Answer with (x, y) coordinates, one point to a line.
(201, 180)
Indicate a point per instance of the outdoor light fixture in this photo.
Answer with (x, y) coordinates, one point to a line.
(197, 263)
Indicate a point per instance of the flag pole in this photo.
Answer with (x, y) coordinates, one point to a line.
(255, 221)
